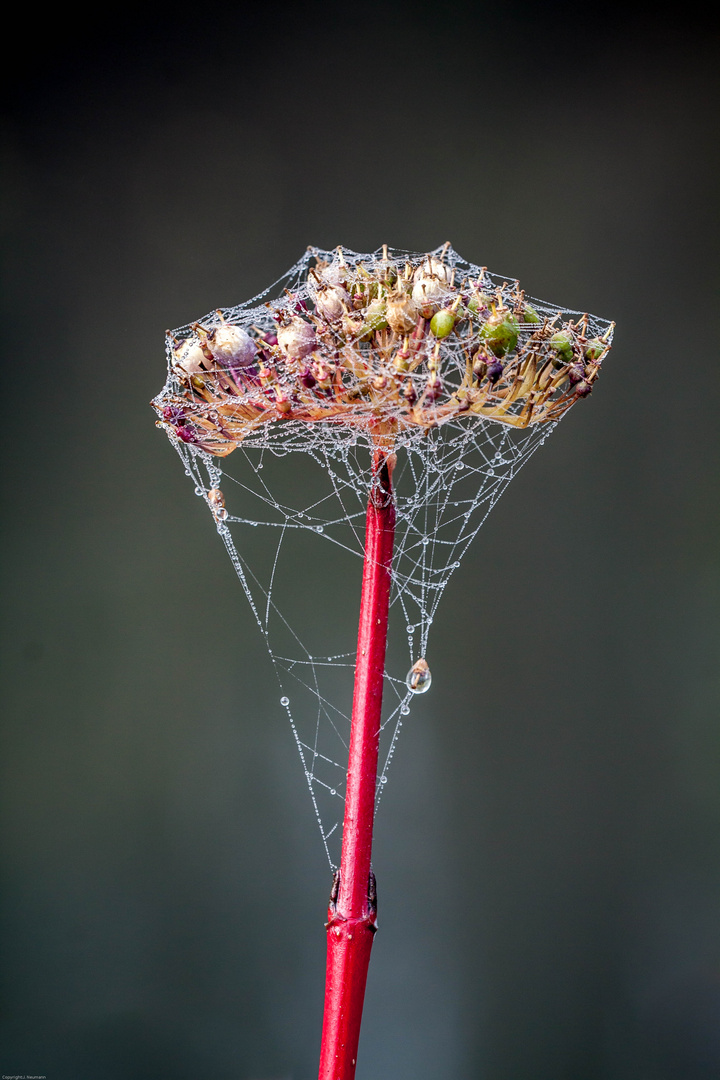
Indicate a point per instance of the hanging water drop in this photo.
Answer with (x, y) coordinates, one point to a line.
(418, 677)
(199, 491)
(405, 710)
(318, 528)
(410, 628)
(333, 791)
(285, 701)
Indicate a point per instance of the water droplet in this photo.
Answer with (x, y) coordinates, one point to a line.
(405, 710)
(410, 629)
(418, 677)
(383, 779)
(259, 465)
(285, 701)
(318, 528)
(456, 565)
(426, 541)
(460, 465)
(333, 791)
(199, 491)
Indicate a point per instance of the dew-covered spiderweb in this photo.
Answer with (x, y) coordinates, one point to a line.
(289, 499)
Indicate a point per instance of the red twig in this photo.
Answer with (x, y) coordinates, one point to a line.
(352, 913)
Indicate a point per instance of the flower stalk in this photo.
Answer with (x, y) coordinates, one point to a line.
(352, 912)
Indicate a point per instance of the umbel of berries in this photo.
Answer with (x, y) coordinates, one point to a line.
(410, 342)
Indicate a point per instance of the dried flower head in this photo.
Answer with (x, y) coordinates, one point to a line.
(388, 342)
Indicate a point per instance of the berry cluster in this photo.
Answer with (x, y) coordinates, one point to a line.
(382, 343)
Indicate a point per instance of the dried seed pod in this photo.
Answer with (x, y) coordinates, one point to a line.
(232, 346)
(500, 332)
(330, 302)
(190, 357)
(333, 273)
(297, 339)
(432, 268)
(583, 389)
(402, 313)
(431, 286)
(442, 323)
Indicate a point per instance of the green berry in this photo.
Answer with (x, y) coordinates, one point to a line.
(477, 302)
(561, 344)
(594, 349)
(501, 332)
(376, 316)
(530, 314)
(442, 323)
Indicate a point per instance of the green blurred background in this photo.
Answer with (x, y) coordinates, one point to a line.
(548, 849)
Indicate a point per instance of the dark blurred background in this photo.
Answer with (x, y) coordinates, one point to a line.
(548, 850)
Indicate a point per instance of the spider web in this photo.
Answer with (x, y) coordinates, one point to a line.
(295, 537)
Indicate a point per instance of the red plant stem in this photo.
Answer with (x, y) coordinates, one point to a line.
(351, 921)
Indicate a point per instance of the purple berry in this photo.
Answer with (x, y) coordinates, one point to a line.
(494, 370)
(187, 434)
(576, 373)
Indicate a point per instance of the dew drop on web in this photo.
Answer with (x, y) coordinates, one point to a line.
(419, 677)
